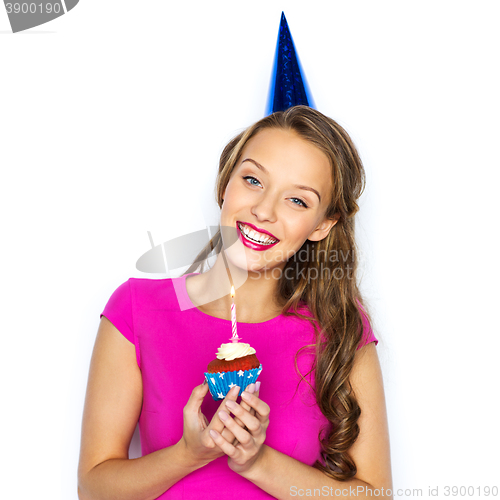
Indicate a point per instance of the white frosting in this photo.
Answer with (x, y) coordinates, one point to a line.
(234, 350)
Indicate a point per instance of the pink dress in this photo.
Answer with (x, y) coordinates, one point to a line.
(174, 345)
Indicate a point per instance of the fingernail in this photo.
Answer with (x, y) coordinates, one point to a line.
(250, 388)
(223, 416)
(245, 395)
(213, 434)
(257, 386)
(235, 390)
(230, 404)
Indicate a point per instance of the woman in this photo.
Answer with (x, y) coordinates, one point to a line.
(288, 189)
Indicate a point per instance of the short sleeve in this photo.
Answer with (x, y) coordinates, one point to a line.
(368, 335)
(119, 311)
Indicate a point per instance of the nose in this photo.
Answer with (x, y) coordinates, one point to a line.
(264, 209)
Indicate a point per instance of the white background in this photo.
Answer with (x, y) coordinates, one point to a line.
(112, 119)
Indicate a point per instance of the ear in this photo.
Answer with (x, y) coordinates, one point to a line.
(324, 228)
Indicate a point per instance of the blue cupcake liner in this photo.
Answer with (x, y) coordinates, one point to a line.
(221, 383)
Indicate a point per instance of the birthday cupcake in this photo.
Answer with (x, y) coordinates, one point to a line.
(235, 364)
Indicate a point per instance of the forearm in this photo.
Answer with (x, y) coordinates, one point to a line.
(284, 477)
(144, 478)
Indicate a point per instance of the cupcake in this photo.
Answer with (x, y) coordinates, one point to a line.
(235, 364)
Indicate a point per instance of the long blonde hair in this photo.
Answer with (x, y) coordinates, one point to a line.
(326, 285)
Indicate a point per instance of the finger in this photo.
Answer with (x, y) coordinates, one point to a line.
(251, 422)
(251, 390)
(241, 434)
(261, 408)
(205, 421)
(226, 447)
(239, 422)
(229, 436)
(257, 389)
(196, 398)
(216, 423)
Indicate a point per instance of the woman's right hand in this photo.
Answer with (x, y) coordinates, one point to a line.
(199, 446)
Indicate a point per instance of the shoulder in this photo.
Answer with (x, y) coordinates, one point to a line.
(144, 293)
(367, 335)
(167, 294)
(302, 314)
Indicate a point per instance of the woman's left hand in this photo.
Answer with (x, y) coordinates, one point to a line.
(250, 440)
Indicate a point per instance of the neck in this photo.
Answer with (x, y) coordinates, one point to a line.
(255, 293)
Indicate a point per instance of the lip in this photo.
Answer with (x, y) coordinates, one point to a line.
(252, 245)
(263, 231)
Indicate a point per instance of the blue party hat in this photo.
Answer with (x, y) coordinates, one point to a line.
(288, 85)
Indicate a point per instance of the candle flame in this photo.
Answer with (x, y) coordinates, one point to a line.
(232, 292)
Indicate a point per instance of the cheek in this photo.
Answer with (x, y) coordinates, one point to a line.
(233, 203)
(236, 196)
(301, 227)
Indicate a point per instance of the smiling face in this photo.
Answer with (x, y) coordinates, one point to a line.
(276, 199)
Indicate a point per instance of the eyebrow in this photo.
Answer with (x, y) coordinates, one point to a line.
(298, 186)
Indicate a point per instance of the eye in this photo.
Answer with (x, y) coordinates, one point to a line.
(249, 179)
(300, 202)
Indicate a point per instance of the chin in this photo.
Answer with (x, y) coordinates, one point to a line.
(239, 257)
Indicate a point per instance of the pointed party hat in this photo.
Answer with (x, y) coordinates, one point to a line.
(288, 85)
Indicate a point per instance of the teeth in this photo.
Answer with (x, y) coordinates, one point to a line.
(263, 239)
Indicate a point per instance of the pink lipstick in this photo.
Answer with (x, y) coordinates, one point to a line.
(249, 238)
